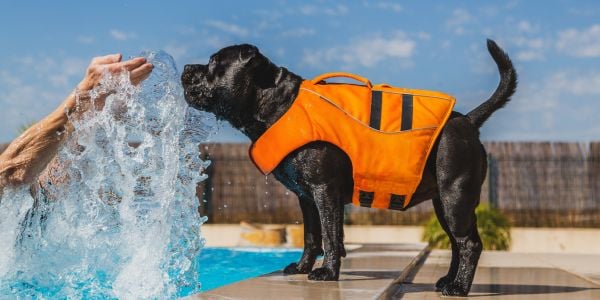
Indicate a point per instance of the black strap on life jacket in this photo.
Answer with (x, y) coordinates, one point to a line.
(407, 112)
(376, 102)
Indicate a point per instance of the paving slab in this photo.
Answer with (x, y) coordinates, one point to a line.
(365, 273)
(503, 276)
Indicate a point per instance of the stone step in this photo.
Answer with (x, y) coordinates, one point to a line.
(366, 273)
(503, 275)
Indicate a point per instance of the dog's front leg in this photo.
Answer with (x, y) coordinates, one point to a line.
(312, 238)
(331, 210)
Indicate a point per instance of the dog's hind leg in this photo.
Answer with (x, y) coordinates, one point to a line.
(454, 262)
(331, 210)
(460, 169)
(312, 238)
(458, 212)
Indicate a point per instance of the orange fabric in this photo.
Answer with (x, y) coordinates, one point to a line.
(385, 161)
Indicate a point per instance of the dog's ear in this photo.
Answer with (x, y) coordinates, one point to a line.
(247, 52)
(264, 73)
(267, 75)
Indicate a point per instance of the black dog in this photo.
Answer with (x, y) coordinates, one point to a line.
(242, 86)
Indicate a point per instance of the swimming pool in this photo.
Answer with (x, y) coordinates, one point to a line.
(217, 267)
(222, 266)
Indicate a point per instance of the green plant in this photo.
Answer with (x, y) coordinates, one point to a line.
(493, 226)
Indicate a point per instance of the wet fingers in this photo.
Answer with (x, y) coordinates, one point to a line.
(141, 73)
(128, 65)
(107, 59)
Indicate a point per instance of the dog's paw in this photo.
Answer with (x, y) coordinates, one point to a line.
(293, 268)
(442, 282)
(453, 289)
(323, 274)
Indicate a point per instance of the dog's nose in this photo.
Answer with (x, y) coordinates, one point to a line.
(188, 73)
(193, 68)
(189, 68)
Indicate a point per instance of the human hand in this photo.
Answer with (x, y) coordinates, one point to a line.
(138, 68)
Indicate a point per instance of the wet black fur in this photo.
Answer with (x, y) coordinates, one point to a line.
(242, 86)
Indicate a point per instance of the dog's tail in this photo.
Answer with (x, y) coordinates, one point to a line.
(506, 87)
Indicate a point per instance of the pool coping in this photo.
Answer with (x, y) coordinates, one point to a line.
(368, 271)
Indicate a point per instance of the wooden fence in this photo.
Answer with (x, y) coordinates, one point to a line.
(545, 184)
(534, 184)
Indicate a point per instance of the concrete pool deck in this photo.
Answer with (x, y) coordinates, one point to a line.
(408, 271)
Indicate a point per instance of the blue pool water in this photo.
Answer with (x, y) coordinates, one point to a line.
(217, 267)
(222, 266)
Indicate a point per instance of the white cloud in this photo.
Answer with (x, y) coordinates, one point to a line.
(446, 44)
(228, 27)
(530, 48)
(422, 35)
(560, 96)
(66, 71)
(529, 55)
(186, 30)
(584, 11)
(24, 100)
(121, 35)
(512, 4)
(389, 6)
(177, 51)
(580, 43)
(479, 60)
(578, 84)
(459, 19)
(560, 106)
(311, 10)
(216, 41)
(86, 39)
(59, 72)
(365, 52)
(298, 32)
(526, 27)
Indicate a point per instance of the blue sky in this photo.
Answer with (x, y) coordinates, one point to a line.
(439, 45)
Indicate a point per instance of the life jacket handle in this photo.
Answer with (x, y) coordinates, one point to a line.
(322, 77)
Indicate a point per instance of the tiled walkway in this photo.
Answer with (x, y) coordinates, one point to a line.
(371, 271)
(366, 272)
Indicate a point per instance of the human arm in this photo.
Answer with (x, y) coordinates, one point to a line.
(29, 154)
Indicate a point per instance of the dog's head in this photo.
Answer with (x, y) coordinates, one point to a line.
(227, 86)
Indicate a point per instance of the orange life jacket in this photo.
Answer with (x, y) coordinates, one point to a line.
(387, 132)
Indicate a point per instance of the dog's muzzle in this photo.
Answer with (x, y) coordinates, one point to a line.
(191, 74)
(194, 84)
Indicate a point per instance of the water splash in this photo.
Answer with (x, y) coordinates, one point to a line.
(118, 216)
